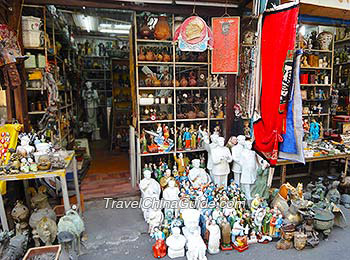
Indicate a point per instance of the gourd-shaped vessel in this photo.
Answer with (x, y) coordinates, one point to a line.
(145, 31)
(162, 29)
(183, 82)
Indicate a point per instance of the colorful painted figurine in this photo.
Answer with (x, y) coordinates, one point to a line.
(187, 137)
(159, 248)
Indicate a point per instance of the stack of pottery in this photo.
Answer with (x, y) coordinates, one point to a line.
(32, 34)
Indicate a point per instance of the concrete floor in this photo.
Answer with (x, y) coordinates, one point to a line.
(121, 234)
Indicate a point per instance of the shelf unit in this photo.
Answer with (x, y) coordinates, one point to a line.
(120, 117)
(175, 68)
(313, 74)
(101, 78)
(341, 76)
(64, 103)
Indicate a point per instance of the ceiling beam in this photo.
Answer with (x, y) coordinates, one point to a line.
(158, 8)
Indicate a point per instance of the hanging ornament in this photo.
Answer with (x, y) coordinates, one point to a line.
(194, 35)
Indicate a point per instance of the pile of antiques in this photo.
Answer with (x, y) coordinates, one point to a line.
(32, 154)
(200, 212)
(38, 225)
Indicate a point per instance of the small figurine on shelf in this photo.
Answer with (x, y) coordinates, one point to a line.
(222, 82)
(143, 141)
(194, 140)
(187, 138)
(165, 132)
(182, 163)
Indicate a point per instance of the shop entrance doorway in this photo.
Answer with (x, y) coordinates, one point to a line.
(101, 45)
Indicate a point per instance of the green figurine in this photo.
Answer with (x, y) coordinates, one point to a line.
(261, 183)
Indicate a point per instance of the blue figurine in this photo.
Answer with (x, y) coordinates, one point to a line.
(314, 130)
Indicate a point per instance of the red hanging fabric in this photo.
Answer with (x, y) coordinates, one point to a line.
(278, 38)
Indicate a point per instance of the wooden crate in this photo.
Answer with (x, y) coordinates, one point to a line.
(44, 249)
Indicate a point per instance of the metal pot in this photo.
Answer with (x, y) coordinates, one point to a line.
(323, 220)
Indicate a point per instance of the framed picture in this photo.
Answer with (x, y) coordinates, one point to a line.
(225, 54)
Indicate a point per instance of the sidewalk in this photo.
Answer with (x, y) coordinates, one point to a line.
(115, 234)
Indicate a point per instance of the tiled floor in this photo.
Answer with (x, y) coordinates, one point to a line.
(109, 174)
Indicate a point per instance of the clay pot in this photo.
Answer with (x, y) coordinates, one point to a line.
(142, 56)
(192, 81)
(156, 82)
(166, 57)
(166, 82)
(149, 81)
(183, 82)
(145, 31)
(150, 56)
(177, 83)
(162, 29)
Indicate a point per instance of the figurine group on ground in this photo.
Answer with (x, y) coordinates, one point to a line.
(209, 215)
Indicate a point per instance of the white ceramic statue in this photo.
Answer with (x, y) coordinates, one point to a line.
(25, 149)
(191, 221)
(171, 193)
(155, 218)
(176, 244)
(221, 158)
(150, 189)
(196, 247)
(236, 156)
(197, 175)
(214, 238)
(209, 147)
(249, 169)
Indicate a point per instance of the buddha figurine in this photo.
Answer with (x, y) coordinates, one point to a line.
(165, 179)
(176, 244)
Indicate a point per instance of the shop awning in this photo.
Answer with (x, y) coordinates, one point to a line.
(338, 9)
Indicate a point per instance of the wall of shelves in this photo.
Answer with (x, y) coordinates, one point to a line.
(316, 77)
(37, 95)
(181, 97)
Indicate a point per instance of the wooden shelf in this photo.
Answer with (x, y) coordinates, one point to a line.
(315, 68)
(156, 121)
(153, 41)
(153, 63)
(316, 115)
(36, 113)
(189, 119)
(153, 154)
(182, 63)
(156, 88)
(36, 89)
(34, 48)
(343, 63)
(312, 50)
(190, 88)
(341, 41)
(316, 85)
